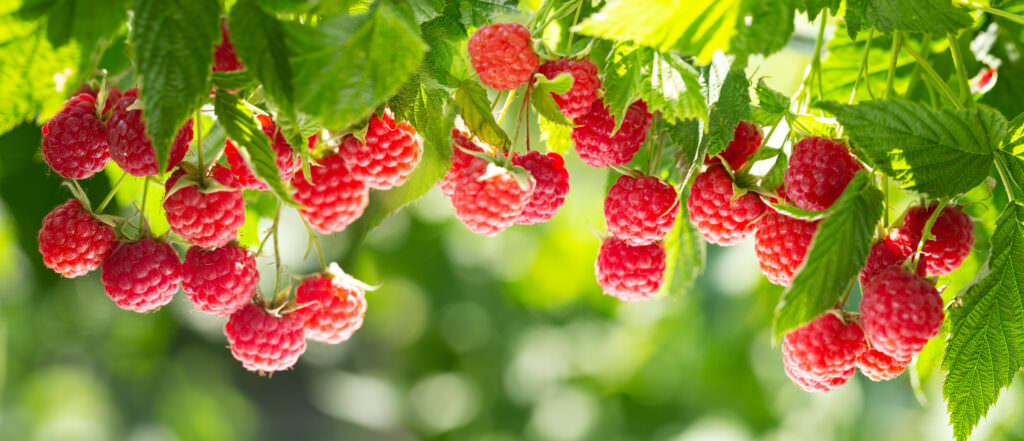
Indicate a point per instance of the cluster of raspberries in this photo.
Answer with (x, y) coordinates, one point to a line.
(900, 310)
(205, 206)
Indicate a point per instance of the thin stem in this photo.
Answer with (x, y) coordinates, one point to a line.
(1004, 177)
(846, 295)
(508, 102)
(576, 19)
(864, 70)
(1007, 15)
(885, 196)
(110, 195)
(817, 52)
(925, 52)
(961, 70)
(934, 76)
(496, 99)
(199, 147)
(897, 43)
(277, 251)
(143, 222)
(316, 244)
(926, 233)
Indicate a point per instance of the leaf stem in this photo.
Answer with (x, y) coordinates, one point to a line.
(864, 70)
(316, 244)
(897, 43)
(961, 70)
(144, 222)
(277, 252)
(504, 108)
(1004, 177)
(816, 61)
(1007, 15)
(575, 20)
(934, 76)
(926, 232)
(113, 191)
(199, 147)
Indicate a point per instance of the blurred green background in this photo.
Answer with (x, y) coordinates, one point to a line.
(469, 338)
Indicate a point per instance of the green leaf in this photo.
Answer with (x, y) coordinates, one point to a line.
(684, 136)
(672, 86)
(475, 109)
(696, 27)
(558, 137)
(476, 13)
(733, 106)
(447, 59)
(813, 7)
(90, 23)
(841, 67)
(763, 27)
(348, 66)
(234, 80)
(241, 127)
(33, 72)
(771, 100)
(938, 152)
(623, 75)
(773, 179)
(173, 48)
(934, 16)
(544, 102)
(685, 254)
(983, 352)
(1013, 142)
(260, 44)
(826, 274)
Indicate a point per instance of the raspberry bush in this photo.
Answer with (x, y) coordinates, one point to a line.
(871, 195)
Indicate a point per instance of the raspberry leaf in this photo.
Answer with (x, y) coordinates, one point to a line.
(841, 68)
(772, 105)
(777, 174)
(986, 343)
(733, 106)
(173, 51)
(556, 136)
(242, 128)
(475, 109)
(685, 254)
(234, 80)
(763, 27)
(813, 7)
(666, 82)
(836, 255)
(544, 102)
(29, 62)
(260, 44)
(938, 152)
(936, 16)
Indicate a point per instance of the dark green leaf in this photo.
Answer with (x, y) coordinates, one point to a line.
(447, 58)
(685, 255)
(986, 343)
(260, 44)
(30, 69)
(543, 101)
(241, 127)
(763, 27)
(476, 13)
(826, 274)
(935, 16)
(235, 80)
(733, 106)
(813, 7)
(472, 104)
(173, 45)
(938, 152)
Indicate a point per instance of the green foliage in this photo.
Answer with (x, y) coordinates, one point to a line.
(813, 7)
(983, 353)
(939, 16)
(772, 105)
(938, 152)
(90, 23)
(685, 254)
(733, 106)
(543, 101)
(241, 127)
(763, 27)
(475, 109)
(826, 274)
(666, 82)
(263, 51)
(842, 67)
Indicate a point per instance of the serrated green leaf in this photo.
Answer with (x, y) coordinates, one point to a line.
(472, 104)
(826, 274)
(173, 48)
(1013, 142)
(685, 254)
(234, 80)
(775, 176)
(810, 125)
(260, 44)
(813, 7)
(762, 27)
(796, 212)
(242, 128)
(348, 66)
(986, 343)
(33, 74)
(1014, 166)
(673, 88)
(841, 67)
(935, 16)
(771, 100)
(556, 136)
(90, 23)
(623, 74)
(447, 58)
(938, 152)
(697, 27)
(476, 13)
(544, 102)
(733, 106)
(689, 151)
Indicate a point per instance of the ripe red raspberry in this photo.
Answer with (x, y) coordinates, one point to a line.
(336, 309)
(334, 199)
(882, 255)
(745, 141)
(878, 366)
(206, 216)
(823, 351)
(818, 172)
(713, 210)
(75, 140)
(954, 237)
(640, 210)
(224, 57)
(113, 95)
(221, 280)
(900, 312)
(781, 243)
(262, 341)
(391, 152)
(489, 199)
(502, 55)
(598, 146)
(131, 148)
(142, 276)
(552, 180)
(577, 100)
(72, 241)
(811, 385)
(460, 161)
(245, 176)
(630, 273)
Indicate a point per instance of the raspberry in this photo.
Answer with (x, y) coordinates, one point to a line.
(585, 85)
(287, 159)
(818, 172)
(745, 141)
(460, 160)
(113, 95)
(245, 176)
(882, 255)
(72, 241)
(336, 309)
(502, 55)
(262, 341)
(334, 199)
(630, 273)
(714, 210)
(552, 180)
(489, 199)
(75, 140)
(131, 148)
(900, 312)
(878, 366)
(221, 280)
(823, 351)
(224, 57)
(954, 237)
(390, 153)
(640, 210)
(142, 276)
(598, 146)
(781, 243)
(206, 217)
